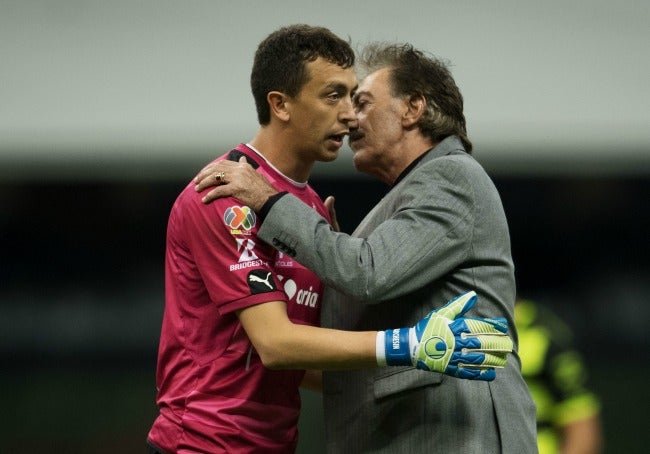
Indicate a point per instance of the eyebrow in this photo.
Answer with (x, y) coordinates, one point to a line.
(339, 87)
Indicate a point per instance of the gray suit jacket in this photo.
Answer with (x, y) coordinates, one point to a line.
(440, 231)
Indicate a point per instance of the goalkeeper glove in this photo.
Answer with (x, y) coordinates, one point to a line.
(445, 342)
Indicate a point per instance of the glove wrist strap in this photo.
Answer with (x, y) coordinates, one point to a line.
(397, 347)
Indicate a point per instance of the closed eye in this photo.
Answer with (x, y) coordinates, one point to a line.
(360, 105)
(359, 101)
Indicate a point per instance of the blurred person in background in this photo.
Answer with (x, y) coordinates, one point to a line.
(238, 327)
(568, 412)
(440, 228)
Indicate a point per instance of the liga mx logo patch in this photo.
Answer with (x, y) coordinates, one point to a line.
(260, 281)
(240, 219)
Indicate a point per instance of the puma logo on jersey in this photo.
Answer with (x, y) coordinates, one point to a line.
(253, 278)
(261, 281)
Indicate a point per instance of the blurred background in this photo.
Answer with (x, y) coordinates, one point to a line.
(107, 109)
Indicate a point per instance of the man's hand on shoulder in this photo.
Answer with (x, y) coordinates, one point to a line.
(234, 179)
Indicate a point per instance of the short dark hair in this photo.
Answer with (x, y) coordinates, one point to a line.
(415, 73)
(281, 59)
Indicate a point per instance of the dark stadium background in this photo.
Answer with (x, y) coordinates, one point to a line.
(82, 299)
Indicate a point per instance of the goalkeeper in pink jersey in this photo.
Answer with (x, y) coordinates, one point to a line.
(241, 319)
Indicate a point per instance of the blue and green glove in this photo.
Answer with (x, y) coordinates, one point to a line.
(445, 342)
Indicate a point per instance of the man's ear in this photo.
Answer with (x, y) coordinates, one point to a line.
(415, 106)
(278, 105)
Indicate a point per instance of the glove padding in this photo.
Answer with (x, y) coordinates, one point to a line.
(444, 341)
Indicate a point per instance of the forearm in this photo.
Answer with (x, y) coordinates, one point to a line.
(385, 264)
(306, 347)
(458, 347)
(283, 344)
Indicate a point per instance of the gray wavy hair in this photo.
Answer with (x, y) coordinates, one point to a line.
(413, 73)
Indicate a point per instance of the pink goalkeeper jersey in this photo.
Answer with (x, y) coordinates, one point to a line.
(214, 394)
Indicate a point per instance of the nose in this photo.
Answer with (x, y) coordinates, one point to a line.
(347, 114)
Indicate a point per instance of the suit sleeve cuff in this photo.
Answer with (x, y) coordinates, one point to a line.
(269, 204)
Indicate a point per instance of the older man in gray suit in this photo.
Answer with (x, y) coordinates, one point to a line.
(440, 230)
